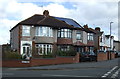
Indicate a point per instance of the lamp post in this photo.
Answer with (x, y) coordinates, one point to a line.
(110, 34)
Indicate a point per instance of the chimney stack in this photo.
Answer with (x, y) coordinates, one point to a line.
(97, 29)
(46, 13)
(85, 26)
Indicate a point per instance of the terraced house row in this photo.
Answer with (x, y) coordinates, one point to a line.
(43, 34)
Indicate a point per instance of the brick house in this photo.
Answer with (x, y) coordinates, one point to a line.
(104, 40)
(41, 34)
(116, 45)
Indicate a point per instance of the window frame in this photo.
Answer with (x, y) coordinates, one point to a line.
(90, 36)
(44, 31)
(45, 48)
(64, 33)
(80, 34)
(25, 29)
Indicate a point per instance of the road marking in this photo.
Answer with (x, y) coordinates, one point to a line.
(65, 75)
(106, 74)
(115, 74)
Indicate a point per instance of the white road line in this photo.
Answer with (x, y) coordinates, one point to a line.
(64, 75)
(115, 74)
(106, 74)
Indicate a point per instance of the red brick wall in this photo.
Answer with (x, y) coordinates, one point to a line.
(112, 55)
(14, 63)
(105, 56)
(102, 56)
(64, 41)
(41, 61)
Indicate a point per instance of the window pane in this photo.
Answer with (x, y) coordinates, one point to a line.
(25, 30)
(23, 50)
(40, 31)
(78, 36)
(58, 34)
(66, 33)
(62, 34)
(44, 31)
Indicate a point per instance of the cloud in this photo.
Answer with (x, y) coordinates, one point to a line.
(12, 12)
(97, 14)
(93, 13)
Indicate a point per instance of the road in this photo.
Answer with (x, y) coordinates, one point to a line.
(102, 69)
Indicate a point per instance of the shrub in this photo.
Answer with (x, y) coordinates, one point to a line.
(49, 55)
(12, 55)
(66, 53)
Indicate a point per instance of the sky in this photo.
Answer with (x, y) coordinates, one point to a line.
(95, 13)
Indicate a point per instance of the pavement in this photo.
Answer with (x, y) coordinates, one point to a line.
(101, 69)
(72, 66)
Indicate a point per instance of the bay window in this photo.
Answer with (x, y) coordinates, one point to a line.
(25, 30)
(90, 36)
(78, 35)
(44, 31)
(65, 33)
(43, 48)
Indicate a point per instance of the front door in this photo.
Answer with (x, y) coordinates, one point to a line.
(26, 52)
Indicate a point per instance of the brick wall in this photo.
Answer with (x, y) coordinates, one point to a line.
(14, 63)
(105, 56)
(112, 55)
(41, 61)
(102, 56)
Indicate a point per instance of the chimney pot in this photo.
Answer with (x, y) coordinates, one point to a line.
(46, 13)
(97, 29)
(85, 26)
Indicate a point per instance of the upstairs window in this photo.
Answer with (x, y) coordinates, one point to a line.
(25, 30)
(90, 36)
(44, 31)
(78, 35)
(64, 33)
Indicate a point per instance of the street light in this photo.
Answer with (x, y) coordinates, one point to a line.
(110, 34)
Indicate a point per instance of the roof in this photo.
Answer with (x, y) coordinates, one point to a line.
(32, 20)
(90, 43)
(90, 30)
(78, 43)
(69, 21)
(109, 36)
(64, 41)
(50, 21)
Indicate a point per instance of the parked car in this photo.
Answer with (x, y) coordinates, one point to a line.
(117, 53)
(88, 56)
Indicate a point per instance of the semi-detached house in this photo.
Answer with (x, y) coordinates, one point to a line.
(43, 34)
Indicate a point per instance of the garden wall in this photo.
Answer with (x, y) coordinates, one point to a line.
(40, 61)
(105, 56)
(102, 56)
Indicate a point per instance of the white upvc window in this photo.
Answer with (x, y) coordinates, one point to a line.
(78, 35)
(90, 36)
(43, 49)
(25, 30)
(44, 31)
(65, 33)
